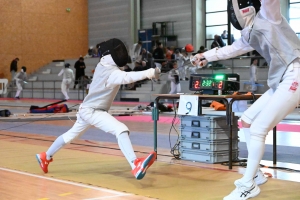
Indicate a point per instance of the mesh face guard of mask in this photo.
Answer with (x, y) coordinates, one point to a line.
(241, 13)
(116, 49)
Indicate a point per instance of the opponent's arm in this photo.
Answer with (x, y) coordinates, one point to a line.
(239, 47)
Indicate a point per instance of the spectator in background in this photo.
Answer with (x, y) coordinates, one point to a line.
(136, 51)
(68, 77)
(180, 61)
(20, 78)
(174, 78)
(146, 59)
(169, 52)
(80, 71)
(219, 40)
(224, 36)
(158, 55)
(202, 49)
(253, 70)
(13, 70)
(214, 44)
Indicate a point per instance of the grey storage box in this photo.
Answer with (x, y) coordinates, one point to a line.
(206, 121)
(206, 133)
(208, 145)
(207, 157)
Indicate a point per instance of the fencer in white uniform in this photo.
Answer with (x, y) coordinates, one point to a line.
(20, 78)
(68, 77)
(94, 109)
(265, 30)
(179, 60)
(173, 76)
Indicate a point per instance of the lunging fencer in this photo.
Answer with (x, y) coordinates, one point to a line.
(265, 30)
(94, 109)
(68, 77)
(20, 78)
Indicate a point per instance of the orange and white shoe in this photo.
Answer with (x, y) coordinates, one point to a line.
(142, 164)
(41, 158)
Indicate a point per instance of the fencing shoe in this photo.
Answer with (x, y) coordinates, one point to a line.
(41, 158)
(142, 164)
(242, 192)
(260, 178)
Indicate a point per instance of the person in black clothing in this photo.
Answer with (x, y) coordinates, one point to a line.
(80, 71)
(158, 55)
(219, 40)
(13, 70)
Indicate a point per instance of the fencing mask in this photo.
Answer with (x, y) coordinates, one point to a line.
(67, 65)
(23, 68)
(241, 13)
(116, 49)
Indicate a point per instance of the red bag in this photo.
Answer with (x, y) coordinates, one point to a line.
(51, 108)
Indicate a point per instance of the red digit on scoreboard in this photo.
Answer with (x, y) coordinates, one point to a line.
(197, 83)
(220, 85)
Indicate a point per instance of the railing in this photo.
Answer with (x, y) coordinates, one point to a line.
(45, 88)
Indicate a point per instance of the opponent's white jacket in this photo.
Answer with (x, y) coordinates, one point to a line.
(106, 83)
(67, 73)
(271, 36)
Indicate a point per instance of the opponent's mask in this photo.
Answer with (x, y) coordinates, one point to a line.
(23, 68)
(241, 13)
(116, 49)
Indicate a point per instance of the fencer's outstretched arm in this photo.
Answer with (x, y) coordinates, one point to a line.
(61, 72)
(119, 77)
(239, 47)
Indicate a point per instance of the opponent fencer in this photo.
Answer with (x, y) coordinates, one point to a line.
(173, 76)
(68, 77)
(265, 30)
(94, 109)
(21, 79)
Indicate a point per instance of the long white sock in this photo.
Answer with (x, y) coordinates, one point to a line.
(247, 137)
(56, 145)
(126, 148)
(18, 93)
(256, 152)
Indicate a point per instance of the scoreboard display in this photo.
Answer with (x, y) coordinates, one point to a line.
(214, 82)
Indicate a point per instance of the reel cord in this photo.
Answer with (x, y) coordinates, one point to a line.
(175, 149)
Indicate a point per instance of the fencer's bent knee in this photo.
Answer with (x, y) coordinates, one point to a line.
(124, 132)
(245, 124)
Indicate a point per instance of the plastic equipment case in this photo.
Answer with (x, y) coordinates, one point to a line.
(206, 138)
(206, 156)
(210, 145)
(206, 133)
(206, 121)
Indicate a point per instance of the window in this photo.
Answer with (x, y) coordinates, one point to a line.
(294, 15)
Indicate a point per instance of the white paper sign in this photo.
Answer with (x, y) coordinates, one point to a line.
(188, 105)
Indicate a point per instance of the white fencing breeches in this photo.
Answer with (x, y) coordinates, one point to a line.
(273, 106)
(65, 85)
(267, 112)
(175, 88)
(19, 86)
(87, 117)
(182, 72)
